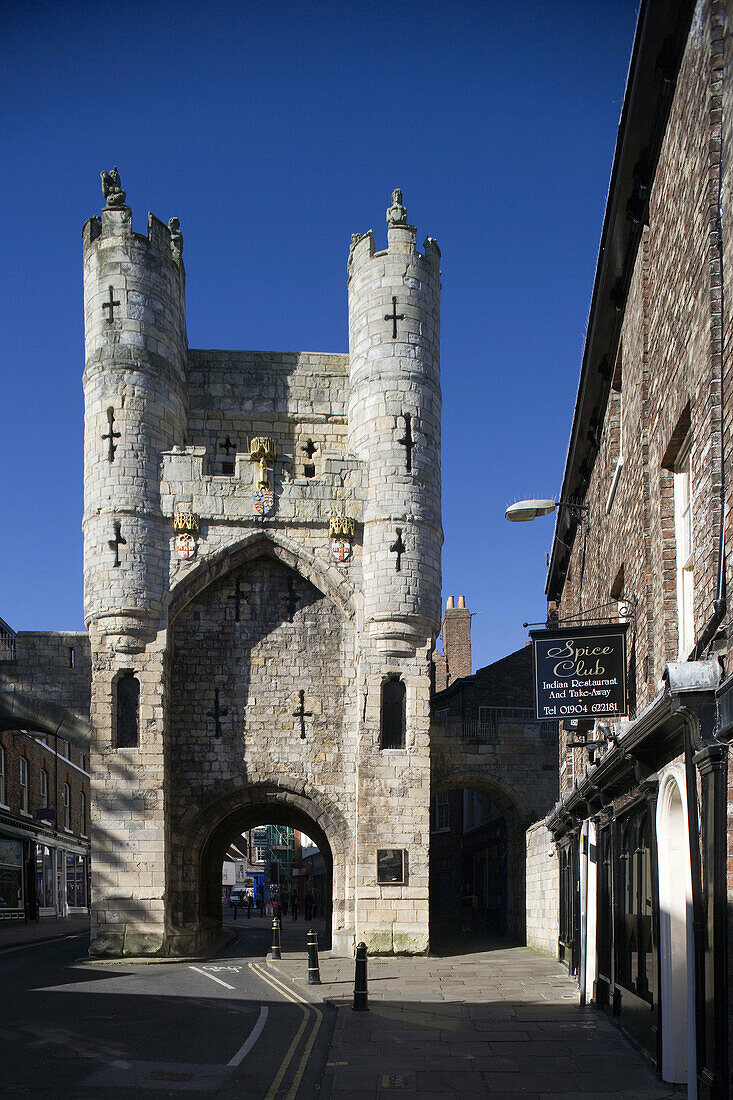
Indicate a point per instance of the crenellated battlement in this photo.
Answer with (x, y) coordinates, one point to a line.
(114, 227)
(401, 242)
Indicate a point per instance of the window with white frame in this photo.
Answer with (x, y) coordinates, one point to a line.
(67, 806)
(441, 817)
(23, 776)
(83, 813)
(2, 775)
(684, 550)
(44, 787)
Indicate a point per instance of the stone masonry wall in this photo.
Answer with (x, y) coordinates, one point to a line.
(543, 890)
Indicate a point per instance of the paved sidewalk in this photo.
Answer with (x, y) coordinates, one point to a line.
(14, 934)
(500, 1023)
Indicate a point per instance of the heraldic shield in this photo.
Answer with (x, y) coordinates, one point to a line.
(341, 530)
(185, 547)
(186, 526)
(340, 549)
(263, 500)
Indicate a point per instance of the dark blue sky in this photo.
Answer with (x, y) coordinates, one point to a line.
(274, 131)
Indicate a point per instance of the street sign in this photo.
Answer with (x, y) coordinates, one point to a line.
(580, 672)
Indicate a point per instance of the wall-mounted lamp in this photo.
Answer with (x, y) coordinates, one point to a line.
(525, 510)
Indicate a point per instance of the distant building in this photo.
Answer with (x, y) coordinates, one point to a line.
(44, 803)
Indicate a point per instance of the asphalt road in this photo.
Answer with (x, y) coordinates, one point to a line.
(224, 1027)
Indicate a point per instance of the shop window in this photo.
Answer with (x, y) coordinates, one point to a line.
(128, 705)
(76, 881)
(23, 778)
(11, 876)
(67, 806)
(2, 776)
(393, 713)
(44, 877)
(635, 960)
(44, 787)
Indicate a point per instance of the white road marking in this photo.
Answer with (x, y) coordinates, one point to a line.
(212, 977)
(252, 1038)
(219, 969)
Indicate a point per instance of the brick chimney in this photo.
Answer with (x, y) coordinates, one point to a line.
(457, 639)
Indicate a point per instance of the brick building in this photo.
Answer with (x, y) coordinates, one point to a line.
(640, 828)
(44, 795)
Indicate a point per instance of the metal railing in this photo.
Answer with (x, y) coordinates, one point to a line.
(487, 728)
(7, 642)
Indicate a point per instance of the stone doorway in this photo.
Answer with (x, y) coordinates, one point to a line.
(196, 867)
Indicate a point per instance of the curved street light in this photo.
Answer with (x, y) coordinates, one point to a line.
(525, 510)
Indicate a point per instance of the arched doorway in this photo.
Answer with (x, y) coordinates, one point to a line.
(675, 928)
(198, 853)
(477, 864)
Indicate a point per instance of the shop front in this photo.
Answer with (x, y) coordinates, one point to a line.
(12, 903)
(61, 881)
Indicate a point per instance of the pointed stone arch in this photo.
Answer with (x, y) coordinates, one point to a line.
(502, 794)
(326, 578)
(203, 834)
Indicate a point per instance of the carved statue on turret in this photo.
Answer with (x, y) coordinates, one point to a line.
(174, 225)
(112, 189)
(397, 214)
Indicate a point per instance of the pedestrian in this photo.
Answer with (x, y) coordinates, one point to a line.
(294, 906)
(284, 905)
(308, 905)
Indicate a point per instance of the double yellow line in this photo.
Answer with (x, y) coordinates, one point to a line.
(311, 1014)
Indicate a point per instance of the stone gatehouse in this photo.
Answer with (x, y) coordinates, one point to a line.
(262, 543)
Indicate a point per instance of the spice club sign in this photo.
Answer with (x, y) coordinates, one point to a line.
(580, 672)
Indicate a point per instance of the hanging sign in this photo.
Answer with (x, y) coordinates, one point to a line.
(580, 672)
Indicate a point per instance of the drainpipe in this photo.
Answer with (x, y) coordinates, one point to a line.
(719, 604)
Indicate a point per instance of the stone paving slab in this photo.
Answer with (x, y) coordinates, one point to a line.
(498, 1023)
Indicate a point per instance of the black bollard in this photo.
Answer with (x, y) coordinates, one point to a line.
(275, 952)
(360, 979)
(314, 974)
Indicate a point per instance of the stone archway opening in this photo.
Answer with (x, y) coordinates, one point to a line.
(273, 874)
(477, 865)
(200, 846)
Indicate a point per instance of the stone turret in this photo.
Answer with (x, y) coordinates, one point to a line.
(394, 429)
(394, 426)
(135, 408)
(135, 395)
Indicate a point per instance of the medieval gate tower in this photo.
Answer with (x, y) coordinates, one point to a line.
(262, 541)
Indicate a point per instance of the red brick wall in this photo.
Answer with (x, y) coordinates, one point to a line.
(669, 361)
(17, 744)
